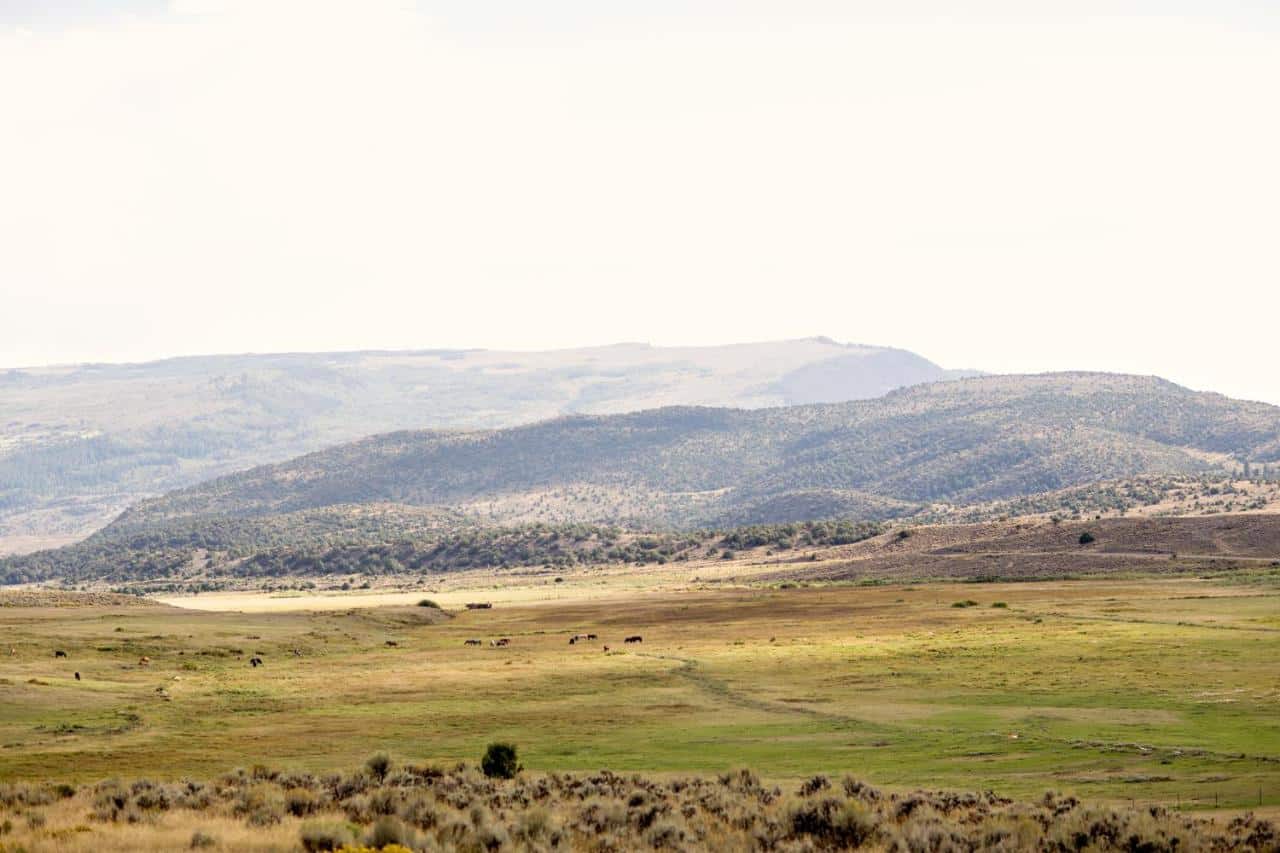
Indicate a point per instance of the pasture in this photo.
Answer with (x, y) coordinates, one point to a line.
(1142, 690)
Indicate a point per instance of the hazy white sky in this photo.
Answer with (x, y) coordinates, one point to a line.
(1013, 186)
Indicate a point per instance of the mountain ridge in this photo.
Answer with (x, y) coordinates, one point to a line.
(936, 451)
(911, 445)
(80, 443)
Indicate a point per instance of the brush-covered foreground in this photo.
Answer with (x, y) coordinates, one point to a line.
(393, 808)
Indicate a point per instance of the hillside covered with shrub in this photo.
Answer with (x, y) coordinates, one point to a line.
(955, 442)
(248, 551)
(996, 444)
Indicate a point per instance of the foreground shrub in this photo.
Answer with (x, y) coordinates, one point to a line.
(835, 821)
(262, 805)
(299, 802)
(500, 762)
(461, 809)
(325, 836)
(388, 830)
(201, 840)
(537, 825)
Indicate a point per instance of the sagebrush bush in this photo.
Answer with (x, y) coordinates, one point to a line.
(836, 821)
(262, 804)
(461, 809)
(388, 830)
(299, 802)
(201, 840)
(325, 836)
(536, 824)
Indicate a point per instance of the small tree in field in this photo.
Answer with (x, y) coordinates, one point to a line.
(1086, 538)
(378, 765)
(500, 762)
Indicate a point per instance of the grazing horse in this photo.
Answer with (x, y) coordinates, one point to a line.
(606, 648)
(472, 643)
(391, 644)
(255, 662)
(636, 638)
(59, 654)
(77, 676)
(144, 661)
(592, 637)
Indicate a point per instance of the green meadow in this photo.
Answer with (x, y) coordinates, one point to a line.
(1135, 690)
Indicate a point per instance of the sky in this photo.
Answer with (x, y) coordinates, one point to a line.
(1008, 186)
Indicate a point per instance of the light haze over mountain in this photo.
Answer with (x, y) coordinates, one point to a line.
(1025, 186)
(80, 443)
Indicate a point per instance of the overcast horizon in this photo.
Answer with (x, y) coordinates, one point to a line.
(1012, 188)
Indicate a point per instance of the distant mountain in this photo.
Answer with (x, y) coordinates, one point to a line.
(957, 442)
(902, 455)
(80, 443)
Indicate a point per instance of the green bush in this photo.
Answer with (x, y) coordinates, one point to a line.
(426, 602)
(500, 761)
(1086, 538)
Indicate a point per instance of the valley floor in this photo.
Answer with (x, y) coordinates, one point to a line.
(1145, 690)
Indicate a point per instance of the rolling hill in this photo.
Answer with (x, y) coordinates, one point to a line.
(1232, 545)
(80, 443)
(953, 442)
(910, 454)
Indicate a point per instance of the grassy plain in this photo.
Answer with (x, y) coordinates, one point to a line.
(1146, 690)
